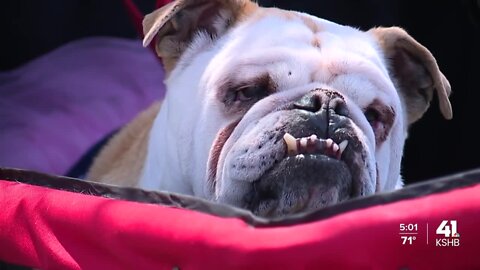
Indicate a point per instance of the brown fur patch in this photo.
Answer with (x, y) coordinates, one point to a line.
(316, 42)
(174, 32)
(169, 64)
(397, 42)
(246, 11)
(218, 144)
(387, 117)
(121, 160)
(264, 12)
(311, 24)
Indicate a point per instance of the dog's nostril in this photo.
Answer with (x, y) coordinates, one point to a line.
(312, 103)
(341, 109)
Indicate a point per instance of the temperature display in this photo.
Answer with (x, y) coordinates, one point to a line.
(408, 233)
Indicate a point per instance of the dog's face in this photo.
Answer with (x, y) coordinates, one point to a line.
(280, 112)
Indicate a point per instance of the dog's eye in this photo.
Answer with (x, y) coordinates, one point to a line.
(381, 119)
(373, 117)
(239, 96)
(247, 93)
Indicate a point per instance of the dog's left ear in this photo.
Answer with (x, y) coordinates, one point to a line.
(175, 25)
(415, 71)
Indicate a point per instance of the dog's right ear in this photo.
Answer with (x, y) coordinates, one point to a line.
(415, 70)
(175, 24)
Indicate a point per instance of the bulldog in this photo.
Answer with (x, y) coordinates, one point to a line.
(274, 111)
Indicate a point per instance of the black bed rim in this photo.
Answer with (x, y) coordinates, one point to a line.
(434, 186)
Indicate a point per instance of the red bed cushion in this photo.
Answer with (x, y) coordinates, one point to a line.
(49, 228)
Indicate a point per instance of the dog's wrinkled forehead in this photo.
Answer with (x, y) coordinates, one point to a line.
(273, 27)
(295, 49)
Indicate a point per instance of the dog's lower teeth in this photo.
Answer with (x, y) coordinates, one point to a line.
(303, 142)
(343, 146)
(313, 145)
(335, 147)
(291, 143)
(329, 142)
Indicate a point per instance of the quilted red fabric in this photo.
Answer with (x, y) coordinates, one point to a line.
(51, 229)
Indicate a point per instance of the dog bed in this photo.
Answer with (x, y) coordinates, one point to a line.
(62, 223)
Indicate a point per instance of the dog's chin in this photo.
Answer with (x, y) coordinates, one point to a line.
(300, 183)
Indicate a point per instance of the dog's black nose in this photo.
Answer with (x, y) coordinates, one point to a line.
(322, 100)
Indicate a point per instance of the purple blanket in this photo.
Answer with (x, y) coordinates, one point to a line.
(56, 107)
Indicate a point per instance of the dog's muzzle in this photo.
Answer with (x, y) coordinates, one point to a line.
(316, 157)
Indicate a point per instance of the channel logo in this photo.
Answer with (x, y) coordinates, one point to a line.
(449, 234)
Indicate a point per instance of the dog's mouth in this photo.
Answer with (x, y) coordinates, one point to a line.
(302, 173)
(313, 173)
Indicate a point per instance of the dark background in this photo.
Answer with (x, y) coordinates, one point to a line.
(450, 29)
